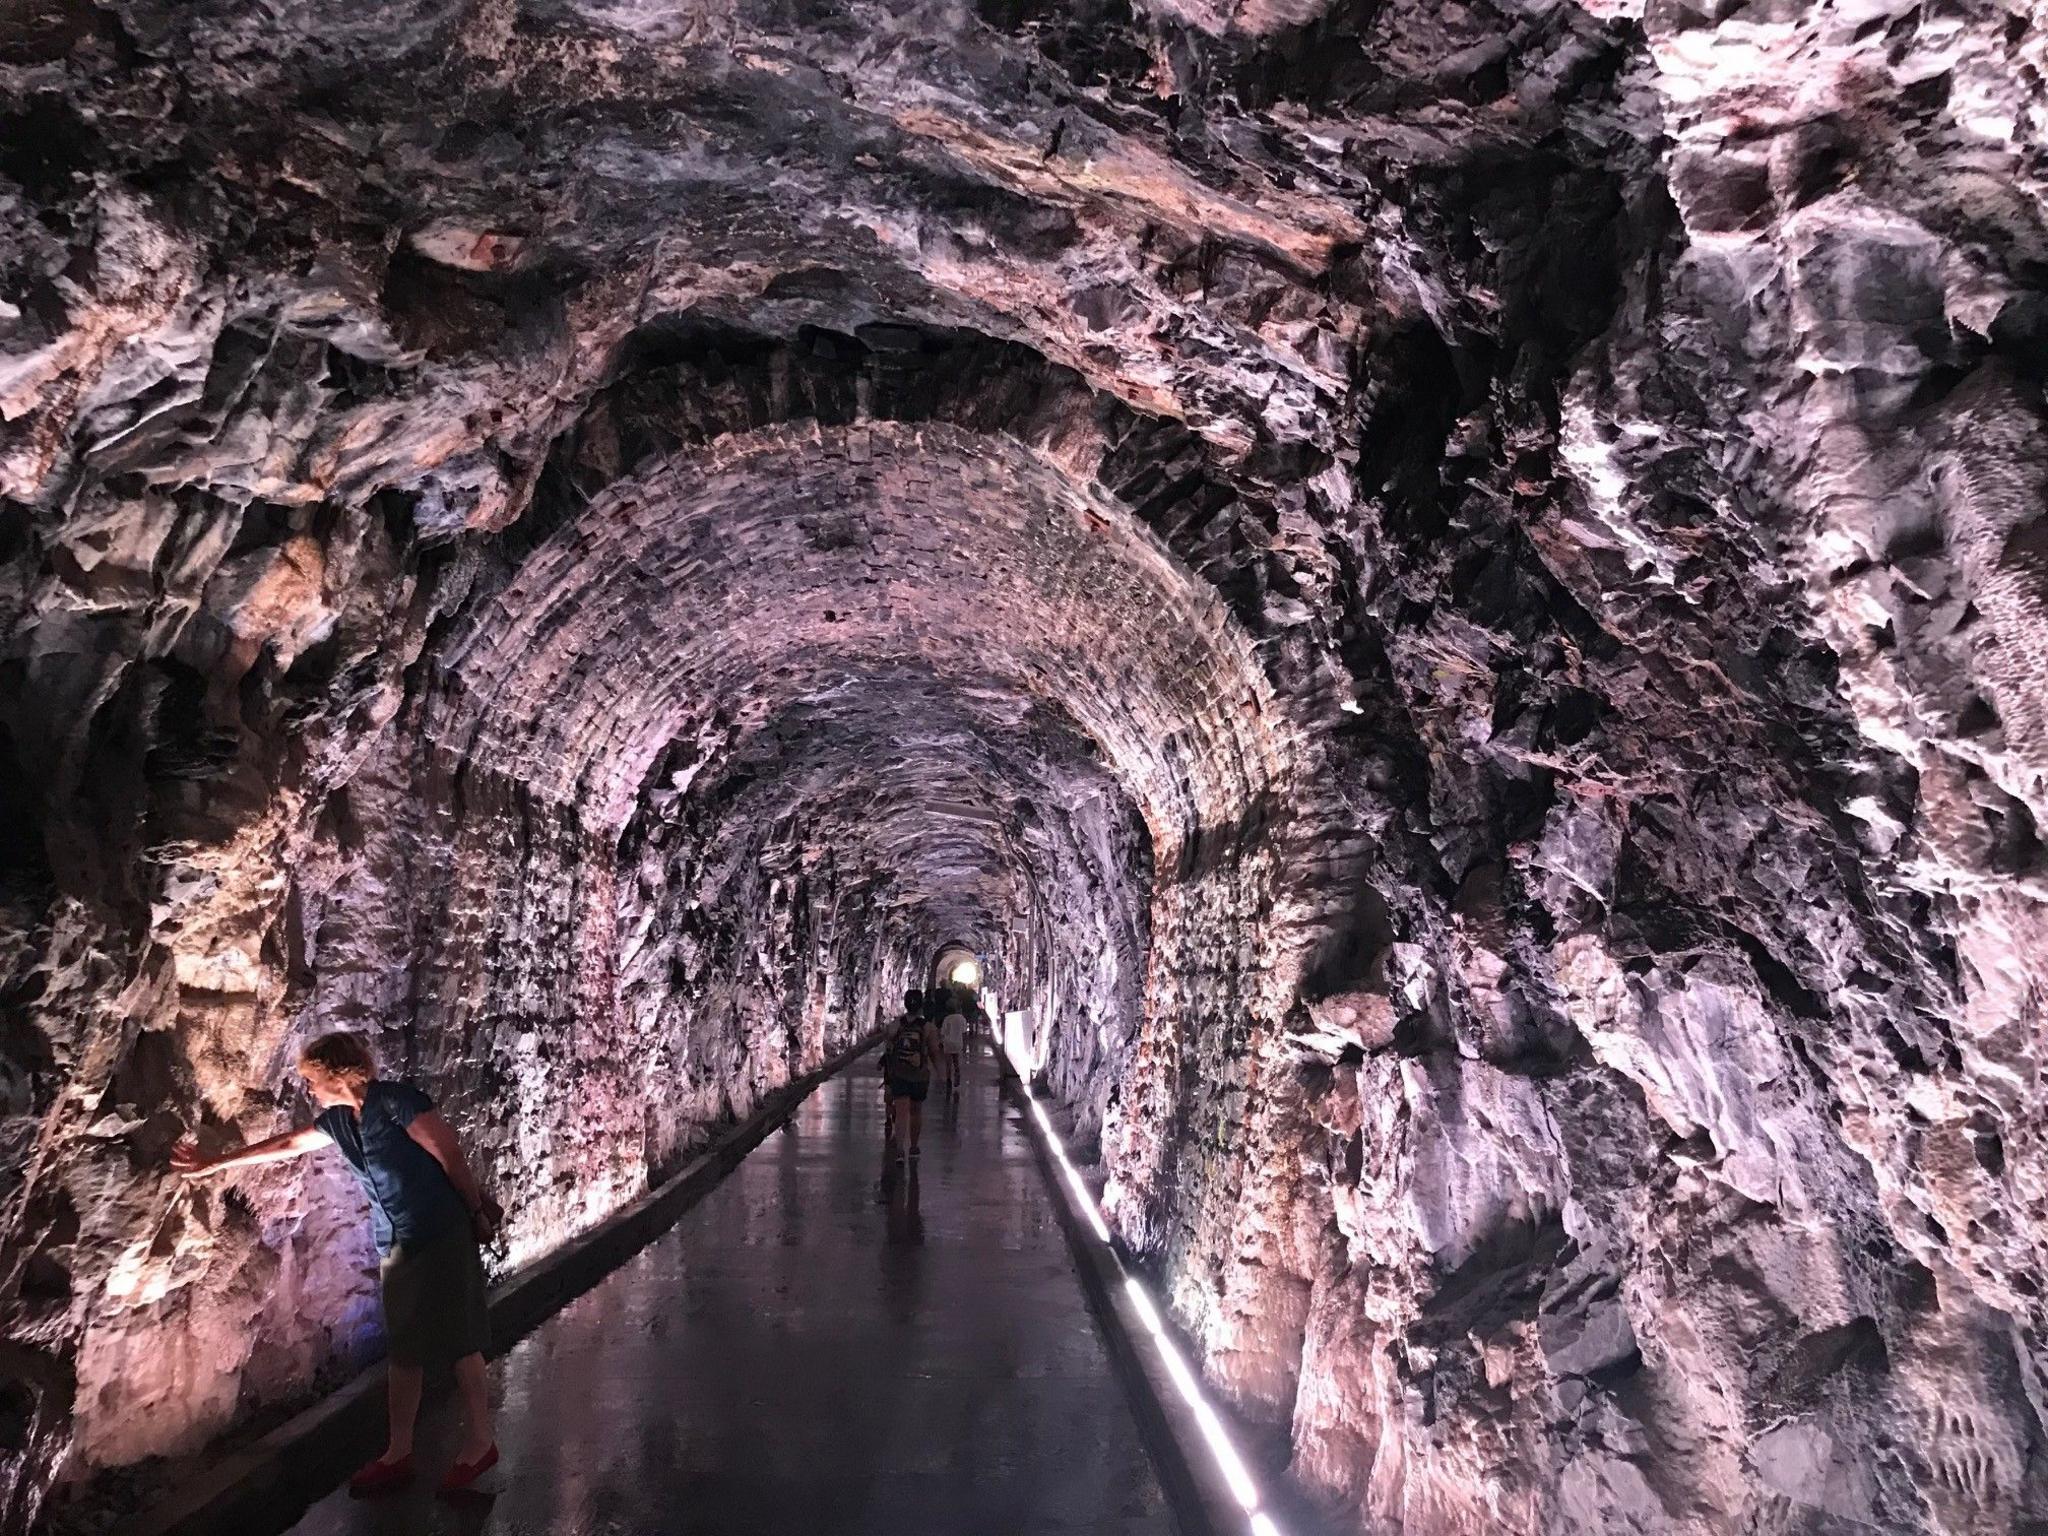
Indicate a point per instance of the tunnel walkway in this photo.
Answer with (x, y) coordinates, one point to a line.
(806, 1354)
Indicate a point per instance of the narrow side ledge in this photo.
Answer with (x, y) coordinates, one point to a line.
(270, 1482)
(1201, 1503)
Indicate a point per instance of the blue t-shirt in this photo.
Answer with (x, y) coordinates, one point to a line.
(411, 1198)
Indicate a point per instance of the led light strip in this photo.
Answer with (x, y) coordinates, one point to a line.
(1221, 1449)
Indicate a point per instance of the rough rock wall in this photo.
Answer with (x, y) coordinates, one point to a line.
(742, 966)
(1454, 590)
(1082, 958)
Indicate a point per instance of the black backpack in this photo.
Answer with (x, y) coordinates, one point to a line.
(904, 1059)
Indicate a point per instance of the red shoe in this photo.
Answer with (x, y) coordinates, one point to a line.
(381, 1476)
(463, 1474)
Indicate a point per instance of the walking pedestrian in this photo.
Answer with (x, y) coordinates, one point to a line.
(953, 1040)
(907, 1061)
(913, 1008)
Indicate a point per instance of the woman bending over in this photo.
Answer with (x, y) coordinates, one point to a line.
(429, 1218)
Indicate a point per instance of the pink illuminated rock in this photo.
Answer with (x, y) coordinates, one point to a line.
(1451, 597)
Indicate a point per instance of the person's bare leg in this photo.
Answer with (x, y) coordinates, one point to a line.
(402, 1385)
(916, 1122)
(473, 1383)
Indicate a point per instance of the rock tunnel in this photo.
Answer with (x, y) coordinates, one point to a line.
(1446, 598)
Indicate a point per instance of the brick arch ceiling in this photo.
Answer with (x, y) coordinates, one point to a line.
(952, 796)
(882, 569)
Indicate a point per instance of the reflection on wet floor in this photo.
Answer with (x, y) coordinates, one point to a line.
(827, 1344)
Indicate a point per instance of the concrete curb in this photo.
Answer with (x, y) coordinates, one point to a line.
(272, 1481)
(1200, 1500)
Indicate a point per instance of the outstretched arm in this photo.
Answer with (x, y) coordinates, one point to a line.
(438, 1137)
(185, 1156)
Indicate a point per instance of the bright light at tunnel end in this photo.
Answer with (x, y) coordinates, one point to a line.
(1221, 1449)
(966, 974)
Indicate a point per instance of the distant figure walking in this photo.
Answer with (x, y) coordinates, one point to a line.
(907, 1060)
(429, 1218)
(953, 1040)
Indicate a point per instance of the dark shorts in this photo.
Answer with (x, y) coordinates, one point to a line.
(904, 1088)
(435, 1309)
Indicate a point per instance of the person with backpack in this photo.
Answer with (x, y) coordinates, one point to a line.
(429, 1217)
(907, 1058)
(913, 1008)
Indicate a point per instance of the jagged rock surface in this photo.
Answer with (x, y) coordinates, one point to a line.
(1452, 593)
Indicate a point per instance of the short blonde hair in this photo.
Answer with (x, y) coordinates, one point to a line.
(342, 1056)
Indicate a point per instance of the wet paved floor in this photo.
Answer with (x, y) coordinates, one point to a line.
(816, 1351)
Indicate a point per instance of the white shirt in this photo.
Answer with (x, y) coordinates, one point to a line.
(953, 1033)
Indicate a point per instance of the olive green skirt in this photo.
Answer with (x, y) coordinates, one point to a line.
(435, 1309)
